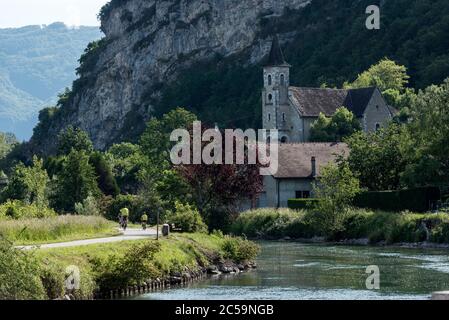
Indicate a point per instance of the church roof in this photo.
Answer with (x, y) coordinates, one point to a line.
(276, 57)
(312, 101)
(295, 160)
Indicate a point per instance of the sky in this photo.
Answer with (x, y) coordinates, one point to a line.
(19, 13)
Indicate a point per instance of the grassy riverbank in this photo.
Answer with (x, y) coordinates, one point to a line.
(376, 226)
(55, 229)
(114, 266)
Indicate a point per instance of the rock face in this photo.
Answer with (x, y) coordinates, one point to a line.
(147, 43)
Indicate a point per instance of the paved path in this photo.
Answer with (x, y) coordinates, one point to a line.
(128, 235)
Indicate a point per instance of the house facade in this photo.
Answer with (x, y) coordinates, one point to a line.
(292, 110)
(300, 165)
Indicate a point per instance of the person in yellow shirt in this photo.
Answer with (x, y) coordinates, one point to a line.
(124, 216)
(144, 221)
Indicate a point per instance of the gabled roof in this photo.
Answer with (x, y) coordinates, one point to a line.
(295, 160)
(276, 57)
(312, 101)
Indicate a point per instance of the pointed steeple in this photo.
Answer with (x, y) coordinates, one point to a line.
(276, 57)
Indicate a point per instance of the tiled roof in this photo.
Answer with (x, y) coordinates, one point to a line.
(295, 160)
(312, 101)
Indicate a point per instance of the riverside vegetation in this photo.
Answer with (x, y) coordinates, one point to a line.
(376, 226)
(41, 274)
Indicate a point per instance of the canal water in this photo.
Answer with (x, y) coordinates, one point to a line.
(295, 271)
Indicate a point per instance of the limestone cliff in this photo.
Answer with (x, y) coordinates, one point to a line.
(146, 45)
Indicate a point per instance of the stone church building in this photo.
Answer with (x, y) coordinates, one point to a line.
(292, 111)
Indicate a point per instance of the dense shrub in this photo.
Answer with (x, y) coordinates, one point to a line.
(273, 223)
(301, 204)
(89, 207)
(134, 267)
(19, 275)
(239, 250)
(376, 226)
(418, 200)
(19, 210)
(187, 218)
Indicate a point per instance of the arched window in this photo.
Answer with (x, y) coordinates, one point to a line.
(269, 117)
(282, 79)
(378, 126)
(284, 139)
(270, 97)
(283, 117)
(270, 80)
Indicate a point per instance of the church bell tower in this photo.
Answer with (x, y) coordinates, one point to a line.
(275, 99)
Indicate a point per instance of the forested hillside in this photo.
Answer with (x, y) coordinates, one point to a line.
(36, 64)
(331, 46)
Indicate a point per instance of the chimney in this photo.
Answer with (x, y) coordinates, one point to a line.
(313, 167)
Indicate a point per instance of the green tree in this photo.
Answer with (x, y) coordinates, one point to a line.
(28, 184)
(7, 142)
(74, 138)
(386, 75)
(75, 182)
(380, 158)
(342, 124)
(429, 129)
(389, 77)
(155, 141)
(19, 274)
(126, 160)
(155, 176)
(106, 180)
(336, 188)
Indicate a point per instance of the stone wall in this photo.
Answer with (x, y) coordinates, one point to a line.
(377, 113)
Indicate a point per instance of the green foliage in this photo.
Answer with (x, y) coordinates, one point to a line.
(89, 58)
(134, 267)
(385, 75)
(74, 139)
(239, 249)
(416, 200)
(75, 182)
(187, 218)
(17, 209)
(31, 229)
(377, 226)
(155, 141)
(28, 184)
(105, 178)
(274, 224)
(379, 158)
(7, 142)
(19, 275)
(126, 160)
(341, 125)
(336, 189)
(216, 91)
(89, 207)
(429, 131)
(301, 204)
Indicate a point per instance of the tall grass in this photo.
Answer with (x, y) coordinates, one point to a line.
(377, 226)
(274, 223)
(60, 228)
